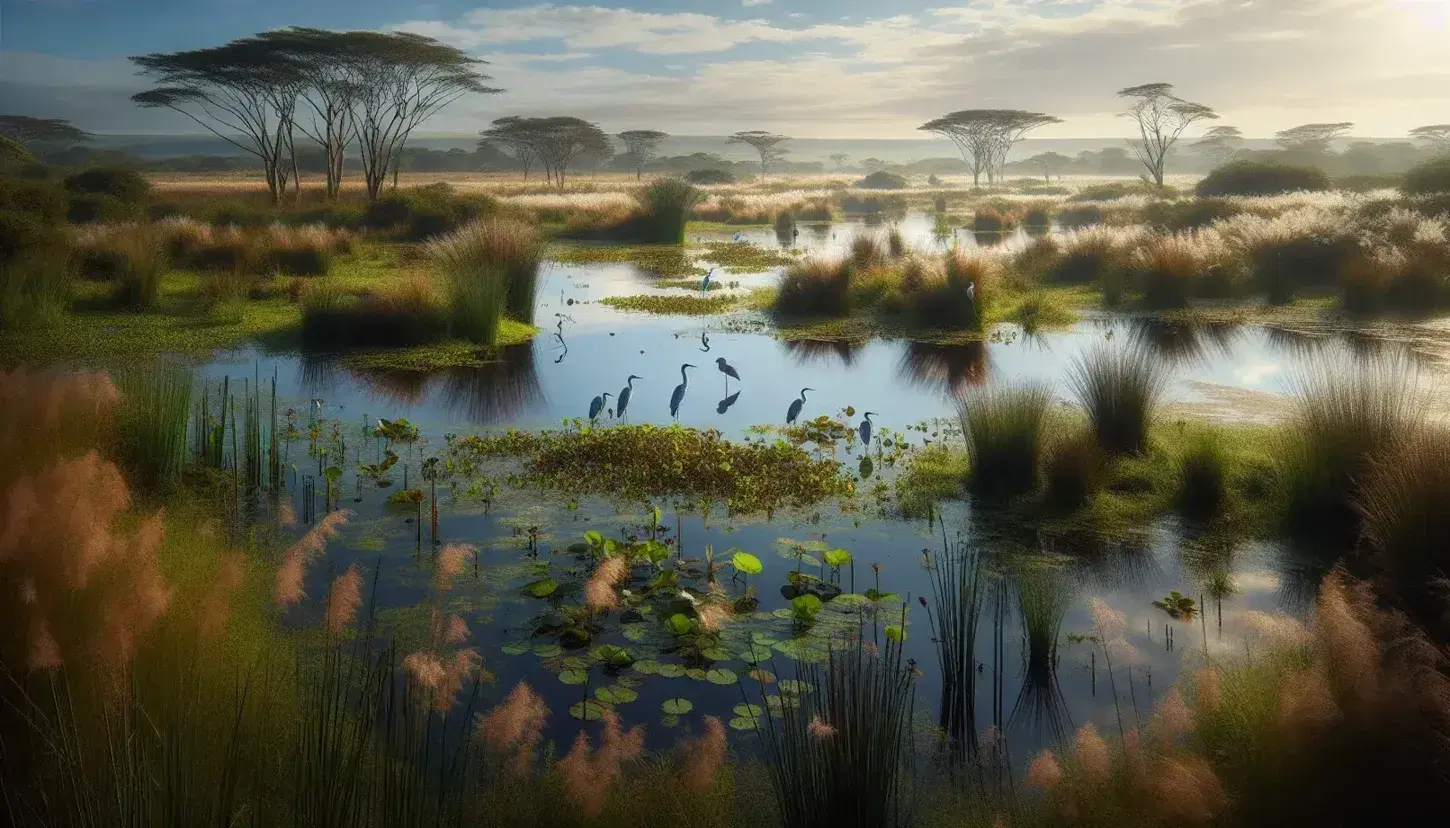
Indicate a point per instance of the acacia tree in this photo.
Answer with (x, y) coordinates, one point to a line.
(1051, 163)
(642, 146)
(32, 132)
(1311, 138)
(512, 135)
(840, 158)
(768, 144)
(1436, 135)
(1220, 144)
(1161, 117)
(554, 142)
(326, 87)
(985, 137)
(235, 92)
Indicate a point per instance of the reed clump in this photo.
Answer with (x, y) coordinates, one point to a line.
(1406, 527)
(1121, 390)
(491, 268)
(1203, 475)
(410, 313)
(152, 425)
(1005, 428)
(816, 286)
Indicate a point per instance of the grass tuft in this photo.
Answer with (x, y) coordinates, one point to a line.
(1005, 426)
(1121, 390)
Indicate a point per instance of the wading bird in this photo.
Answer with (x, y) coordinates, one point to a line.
(705, 282)
(622, 401)
(679, 393)
(866, 429)
(728, 370)
(795, 407)
(724, 405)
(597, 405)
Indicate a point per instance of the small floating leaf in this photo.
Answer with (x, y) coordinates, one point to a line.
(589, 710)
(894, 632)
(612, 655)
(672, 670)
(516, 648)
(616, 694)
(696, 673)
(648, 666)
(715, 654)
(549, 650)
(669, 720)
(838, 557)
(742, 723)
(574, 676)
(748, 710)
(542, 589)
(677, 706)
(722, 676)
(747, 563)
(679, 624)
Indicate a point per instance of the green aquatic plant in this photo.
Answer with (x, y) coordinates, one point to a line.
(1005, 428)
(1121, 389)
(1203, 475)
(957, 587)
(666, 205)
(491, 268)
(1178, 606)
(669, 461)
(672, 305)
(151, 424)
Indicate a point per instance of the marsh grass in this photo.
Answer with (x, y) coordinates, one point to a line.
(841, 756)
(35, 289)
(407, 314)
(141, 261)
(1203, 469)
(1005, 427)
(1121, 390)
(958, 583)
(1075, 470)
(666, 205)
(666, 305)
(1343, 414)
(1043, 599)
(1406, 526)
(816, 286)
(491, 267)
(152, 425)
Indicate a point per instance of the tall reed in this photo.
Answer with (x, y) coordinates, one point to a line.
(152, 424)
(816, 286)
(1005, 426)
(957, 589)
(142, 263)
(1043, 598)
(1344, 413)
(667, 203)
(840, 757)
(1402, 502)
(1121, 390)
(492, 267)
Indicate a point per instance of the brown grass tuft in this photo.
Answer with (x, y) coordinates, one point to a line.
(1090, 756)
(451, 561)
(515, 727)
(345, 598)
(599, 591)
(588, 774)
(704, 756)
(1044, 773)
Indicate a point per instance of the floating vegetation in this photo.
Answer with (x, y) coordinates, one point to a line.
(664, 261)
(677, 305)
(1178, 606)
(743, 257)
(638, 462)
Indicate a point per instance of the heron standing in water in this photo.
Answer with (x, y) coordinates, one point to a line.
(795, 407)
(679, 394)
(622, 401)
(728, 370)
(705, 282)
(866, 429)
(597, 405)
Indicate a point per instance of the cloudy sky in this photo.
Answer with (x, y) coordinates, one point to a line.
(810, 68)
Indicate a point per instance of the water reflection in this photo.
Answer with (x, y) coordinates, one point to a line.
(1185, 342)
(724, 405)
(495, 392)
(951, 368)
(808, 351)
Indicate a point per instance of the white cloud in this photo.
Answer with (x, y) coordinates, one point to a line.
(749, 3)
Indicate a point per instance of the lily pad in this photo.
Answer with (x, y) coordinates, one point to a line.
(755, 653)
(696, 673)
(549, 650)
(794, 687)
(838, 557)
(747, 563)
(672, 670)
(543, 588)
(635, 632)
(715, 654)
(670, 720)
(616, 694)
(612, 655)
(742, 723)
(574, 676)
(516, 648)
(895, 632)
(749, 710)
(722, 676)
(677, 706)
(589, 711)
(576, 663)
(762, 676)
(648, 666)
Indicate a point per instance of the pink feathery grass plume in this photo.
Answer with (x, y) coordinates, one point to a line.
(588, 774)
(290, 576)
(451, 561)
(704, 755)
(599, 591)
(345, 598)
(515, 727)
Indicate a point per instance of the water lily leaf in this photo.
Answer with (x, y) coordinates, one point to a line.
(838, 557)
(762, 638)
(753, 710)
(677, 706)
(762, 676)
(635, 632)
(669, 720)
(882, 597)
(747, 563)
(542, 589)
(794, 687)
(720, 675)
(594, 539)
(648, 666)
(803, 651)
(589, 711)
(715, 654)
(742, 723)
(655, 517)
(516, 648)
(616, 694)
(756, 653)
(574, 676)
(696, 673)
(549, 650)
(576, 663)
(679, 624)
(612, 655)
(805, 607)
(672, 670)
(777, 705)
(850, 599)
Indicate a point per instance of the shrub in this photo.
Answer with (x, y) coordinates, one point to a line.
(1369, 183)
(37, 198)
(1121, 390)
(424, 212)
(784, 224)
(883, 180)
(940, 204)
(1429, 178)
(1074, 218)
(705, 177)
(1284, 266)
(1259, 178)
(125, 185)
(1177, 216)
(1202, 475)
(492, 266)
(1343, 415)
(1004, 427)
(89, 208)
(868, 251)
(816, 286)
(142, 263)
(13, 153)
(1108, 192)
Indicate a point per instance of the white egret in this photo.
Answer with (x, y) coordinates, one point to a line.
(795, 407)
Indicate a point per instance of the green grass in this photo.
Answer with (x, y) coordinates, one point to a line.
(1203, 471)
(1121, 389)
(932, 474)
(491, 267)
(452, 353)
(673, 305)
(742, 257)
(1005, 428)
(152, 424)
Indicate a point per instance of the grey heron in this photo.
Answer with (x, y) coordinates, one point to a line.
(622, 401)
(597, 405)
(679, 393)
(795, 407)
(866, 428)
(728, 370)
(705, 282)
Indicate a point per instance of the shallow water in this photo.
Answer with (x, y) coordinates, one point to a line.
(1221, 371)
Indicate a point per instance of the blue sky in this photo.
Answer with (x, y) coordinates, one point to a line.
(813, 68)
